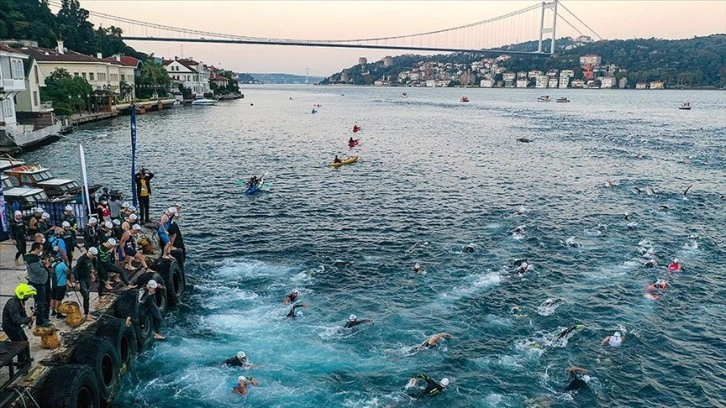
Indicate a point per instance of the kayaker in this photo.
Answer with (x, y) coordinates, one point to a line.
(337, 159)
(253, 181)
(351, 141)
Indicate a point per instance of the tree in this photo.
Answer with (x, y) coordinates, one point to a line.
(74, 27)
(68, 94)
(152, 78)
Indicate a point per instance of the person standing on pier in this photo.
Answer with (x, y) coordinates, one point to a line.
(15, 316)
(143, 192)
(17, 234)
(83, 274)
(39, 278)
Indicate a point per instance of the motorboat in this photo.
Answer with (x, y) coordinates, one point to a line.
(544, 98)
(685, 106)
(404, 95)
(562, 100)
(464, 99)
(200, 100)
(37, 176)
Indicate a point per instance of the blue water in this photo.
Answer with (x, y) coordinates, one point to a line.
(434, 175)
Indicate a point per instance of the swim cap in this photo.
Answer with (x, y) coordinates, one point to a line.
(152, 284)
(125, 205)
(352, 317)
(91, 220)
(676, 260)
(108, 224)
(242, 378)
(24, 290)
(171, 210)
(417, 266)
(45, 215)
(295, 291)
(241, 355)
(132, 208)
(444, 382)
(66, 224)
(93, 250)
(116, 222)
(616, 334)
(111, 242)
(18, 213)
(177, 204)
(137, 227)
(133, 217)
(68, 208)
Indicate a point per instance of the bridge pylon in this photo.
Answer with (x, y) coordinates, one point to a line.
(552, 29)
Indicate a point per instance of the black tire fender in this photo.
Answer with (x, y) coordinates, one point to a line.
(127, 305)
(100, 356)
(175, 283)
(71, 386)
(122, 337)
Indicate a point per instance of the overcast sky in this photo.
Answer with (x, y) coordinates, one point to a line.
(366, 19)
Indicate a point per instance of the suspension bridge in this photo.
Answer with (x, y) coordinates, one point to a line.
(537, 22)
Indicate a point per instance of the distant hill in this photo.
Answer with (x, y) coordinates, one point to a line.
(276, 78)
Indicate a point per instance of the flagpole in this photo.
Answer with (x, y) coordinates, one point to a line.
(85, 177)
(133, 154)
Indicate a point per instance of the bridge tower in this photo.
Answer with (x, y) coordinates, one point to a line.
(552, 5)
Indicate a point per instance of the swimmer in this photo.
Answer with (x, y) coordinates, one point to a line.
(654, 291)
(675, 266)
(469, 248)
(353, 321)
(569, 330)
(518, 311)
(519, 232)
(548, 306)
(417, 268)
(434, 340)
(432, 387)
(525, 140)
(292, 314)
(240, 360)
(522, 268)
(241, 387)
(291, 297)
(685, 192)
(613, 341)
(577, 381)
(650, 263)
(570, 242)
(520, 212)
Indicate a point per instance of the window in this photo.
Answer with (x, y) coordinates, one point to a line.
(35, 98)
(90, 76)
(83, 74)
(123, 77)
(35, 70)
(75, 74)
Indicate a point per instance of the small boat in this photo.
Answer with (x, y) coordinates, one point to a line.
(354, 143)
(349, 160)
(404, 95)
(543, 98)
(251, 189)
(464, 99)
(685, 106)
(37, 176)
(200, 100)
(356, 128)
(562, 100)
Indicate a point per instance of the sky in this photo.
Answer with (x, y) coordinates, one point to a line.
(333, 20)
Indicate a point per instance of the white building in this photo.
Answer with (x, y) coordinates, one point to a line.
(522, 83)
(608, 82)
(565, 76)
(486, 83)
(541, 81)
(508, 78)
(191, 74)
(552, 82)
(578, 83)
(12, 82)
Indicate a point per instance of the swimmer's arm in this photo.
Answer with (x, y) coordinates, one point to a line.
(605, 340)
(253, 381)
(576, 369)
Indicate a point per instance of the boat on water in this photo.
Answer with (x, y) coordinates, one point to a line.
(464, 99)
(200, 100)
(254, 188)
(685, 106)
(353, 143)
(37, 176)
(562, 100)
(544, 98)
(349, 160)
(404, 95)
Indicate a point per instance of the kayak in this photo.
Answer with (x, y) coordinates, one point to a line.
(349, 160)
(253, 189)
(354, 143)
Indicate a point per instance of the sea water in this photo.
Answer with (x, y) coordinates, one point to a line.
(434, 176)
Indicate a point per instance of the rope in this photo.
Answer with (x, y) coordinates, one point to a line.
(578, 19)
(20, 394)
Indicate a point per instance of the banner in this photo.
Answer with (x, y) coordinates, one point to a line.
(85, 178)
(133, 154)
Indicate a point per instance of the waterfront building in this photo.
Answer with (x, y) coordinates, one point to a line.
(607, 82)
(190, 74)
(486, 83)
(657, 85)
(533, 74)
(641, 85)
(128, 69)
(508, 78)
(541, 81)
(565, 76)
(552, 82)
(522, 83)
(578, 83)
(12, 82)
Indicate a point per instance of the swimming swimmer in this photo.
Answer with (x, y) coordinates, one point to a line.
(353, 321)
(577, 381)
(613, 341)
(291, 297)
(469, 248)
(569, 330)
(241, 387)
(655, 290)
(548, 306)
(292, 314)
(240, 360)
(417, 268)
(434, 340)
(518, 311)
(522, 268)
(432, 387)
(675, 266)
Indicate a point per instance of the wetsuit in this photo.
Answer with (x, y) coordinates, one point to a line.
(148, 304)
(291, 313)
(234, 361)
(17, 233)
(14, 316)
(567, 331)
(432, 387)
(353, 323)
(104, 265)
(69, 237)
(82, 272)
(291, 298)
(576, 382)
(38, 277)
(90, 236)
(178, 240)
(43, 227)
(104, 235)
(71, 220)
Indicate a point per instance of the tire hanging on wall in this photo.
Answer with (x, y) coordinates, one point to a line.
(175, 283)
(127, 305)
(100, 355)
(122, 337)
(71, 386)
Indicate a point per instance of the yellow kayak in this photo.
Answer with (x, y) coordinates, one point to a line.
(349, 160)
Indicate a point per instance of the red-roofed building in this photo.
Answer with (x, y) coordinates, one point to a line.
(190, 74)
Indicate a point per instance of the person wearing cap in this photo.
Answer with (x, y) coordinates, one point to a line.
(15, 316)
(578, 379)
(33, 221)
(567, 331)
(56, 246)
(58, 281)
(117, 230)
(90, 233)
(69, 217)
(241, 387)
(613, 341)
(105, 232)
(128, 249)
(675, 266)
(432, 387)
(83, 275)
(291, 297)
(69, 238)
(163, 231)
(434, 340)
(353, 321)
(103, 212)
(143, 192)
(417, 268)
(129, 221)
(240, 360)
(43, 224)
(292, 313)
(105, 264)
(39, 278)
(17, 234)
(147, 301)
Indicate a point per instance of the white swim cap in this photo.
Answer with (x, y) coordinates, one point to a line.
(152, 284)
(171, 210)
(177, 204)
(616, 334)
(352, 317)
(137, 227)
(108, 224)
(18, 212)
(444, 382)
(91, 220)
(241, 355)
(133, 217)
(68, 208)
(66, 224)
(242, 378)
(116, 222)
(93, 250)
(295, 291)
(676, 260)
(38, 210)
(417, 266)
(111, 242)
(45, 215)
(125, 205)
